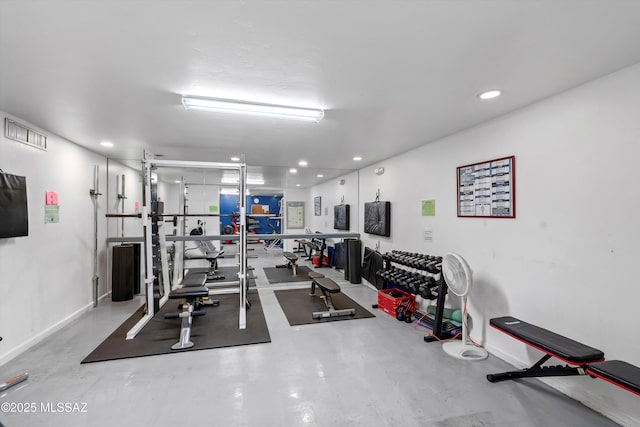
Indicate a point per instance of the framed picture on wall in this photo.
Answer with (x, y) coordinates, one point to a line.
(377, 218)
(487, 189)
(295, 215)
(341, 217)
(317, 206)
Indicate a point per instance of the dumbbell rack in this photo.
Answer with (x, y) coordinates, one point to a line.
(415, 281)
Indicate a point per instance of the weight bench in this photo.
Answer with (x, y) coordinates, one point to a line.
(197, 280)
(291, 262)
(327, 287)
(618, 373)
(192, 298)
(209, 253)
(585, 360)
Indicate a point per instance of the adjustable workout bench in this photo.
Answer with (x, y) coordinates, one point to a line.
(192, 293)
(291, 261)
(585, 360)
(327, 287)
(209, 253)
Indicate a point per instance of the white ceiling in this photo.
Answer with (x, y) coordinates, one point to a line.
(391, 75)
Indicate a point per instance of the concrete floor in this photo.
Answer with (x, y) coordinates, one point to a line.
(366, 372)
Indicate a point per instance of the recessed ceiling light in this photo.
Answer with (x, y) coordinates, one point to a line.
(235, 159)
(357, 158)
(297, 185)
(490, 94)
(293, 170)
(178, 182)
(107, 144)
(302, 163)
(319, 176)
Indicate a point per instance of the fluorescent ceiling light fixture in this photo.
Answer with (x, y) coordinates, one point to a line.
(293, 170)
(297, 185)
(235, 159)
(302, 163)
(490, 94)
(319, 176)
(232, 190)
(255, 108)
(107, 144)
(250, 181)
(178, 182)
(357, 158)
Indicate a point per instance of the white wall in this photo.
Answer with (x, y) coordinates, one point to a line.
(566, 262)
(332, 193)
(47, 276)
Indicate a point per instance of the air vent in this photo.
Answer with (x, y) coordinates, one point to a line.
(21, 133)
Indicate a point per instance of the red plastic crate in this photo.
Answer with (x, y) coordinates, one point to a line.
(389, 299)
(315, 260)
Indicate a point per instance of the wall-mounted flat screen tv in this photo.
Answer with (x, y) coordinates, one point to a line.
(377, 218)
(14, 217)
(341, 217)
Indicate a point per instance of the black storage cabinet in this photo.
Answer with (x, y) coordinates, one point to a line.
(123, 270)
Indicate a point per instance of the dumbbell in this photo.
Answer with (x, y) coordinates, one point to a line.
(425, 292)
(403, 313)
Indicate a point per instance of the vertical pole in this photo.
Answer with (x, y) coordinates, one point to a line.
(242, 231)
(94, 193)
(121, 197)
(164, 262)
(148, 243)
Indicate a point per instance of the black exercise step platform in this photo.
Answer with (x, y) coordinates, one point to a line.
(548, 342)
(618, 373)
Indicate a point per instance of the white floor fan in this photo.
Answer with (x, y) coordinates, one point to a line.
(458, 276)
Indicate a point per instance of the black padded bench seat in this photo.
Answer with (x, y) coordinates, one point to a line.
(189, 293)
(560, 347)
(192, 294)
(325, 284)
(328, 287)
(291, 261)
(586, 360)
(618, 373)
(290, 256)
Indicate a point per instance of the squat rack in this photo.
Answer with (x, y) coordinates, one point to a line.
(146, 216)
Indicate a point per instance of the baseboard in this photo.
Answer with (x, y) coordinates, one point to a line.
(599, 402)
(26, 345)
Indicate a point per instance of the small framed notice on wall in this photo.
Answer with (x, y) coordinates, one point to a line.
(295, 215)
(317, 206)
(487, 189)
